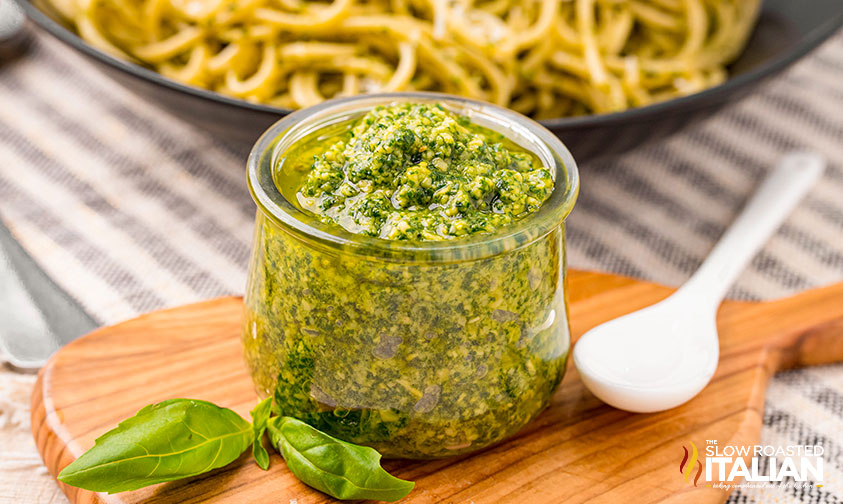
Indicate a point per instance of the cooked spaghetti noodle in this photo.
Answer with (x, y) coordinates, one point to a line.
(544, 58)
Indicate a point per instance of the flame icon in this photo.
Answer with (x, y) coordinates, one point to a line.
(686, 467)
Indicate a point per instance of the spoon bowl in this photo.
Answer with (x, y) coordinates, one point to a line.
(673, 363)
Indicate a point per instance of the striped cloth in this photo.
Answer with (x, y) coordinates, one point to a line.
(129, 210)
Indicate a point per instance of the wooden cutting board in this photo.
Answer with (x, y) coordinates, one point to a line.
(579, 450)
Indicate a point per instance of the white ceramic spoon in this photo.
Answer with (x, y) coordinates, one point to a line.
(663, 355)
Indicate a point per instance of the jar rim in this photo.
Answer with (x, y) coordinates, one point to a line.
(282, 135)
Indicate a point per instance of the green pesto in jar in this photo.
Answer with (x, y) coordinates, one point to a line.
(416, 171)
(418, 358)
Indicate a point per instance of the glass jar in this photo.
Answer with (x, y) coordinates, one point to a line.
(419, 349)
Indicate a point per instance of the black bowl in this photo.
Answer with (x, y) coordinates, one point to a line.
(786, 31)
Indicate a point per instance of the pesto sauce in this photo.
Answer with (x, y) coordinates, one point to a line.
(417, 359)
(418, 172)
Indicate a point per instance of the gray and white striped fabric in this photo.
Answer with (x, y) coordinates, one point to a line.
(129, 210)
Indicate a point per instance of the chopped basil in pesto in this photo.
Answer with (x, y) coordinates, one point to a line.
(417, 356)
(414, 360)
(420, 172)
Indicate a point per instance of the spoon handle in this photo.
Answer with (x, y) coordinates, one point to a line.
(795, 174)
(15, 32)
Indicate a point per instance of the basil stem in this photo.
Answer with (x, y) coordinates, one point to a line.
(260, 415)
(171, 440)
(342, 470)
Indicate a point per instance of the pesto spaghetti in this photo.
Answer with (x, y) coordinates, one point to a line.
(544, 58)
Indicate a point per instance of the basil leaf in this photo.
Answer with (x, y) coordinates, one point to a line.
(260, 415)
(167, 441)
(341, 470)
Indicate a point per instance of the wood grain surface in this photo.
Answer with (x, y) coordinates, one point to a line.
(579, 450)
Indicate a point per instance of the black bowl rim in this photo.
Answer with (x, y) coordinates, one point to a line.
(812, 40)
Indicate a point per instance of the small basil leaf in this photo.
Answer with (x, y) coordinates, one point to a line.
(341, 470)
(260, 415)
(174, 439)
